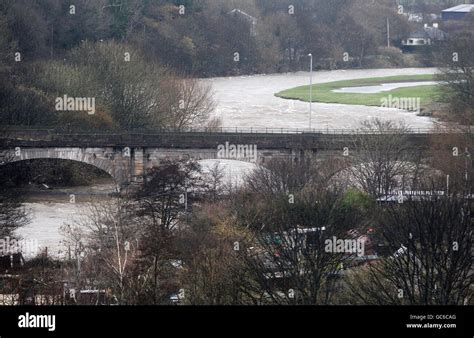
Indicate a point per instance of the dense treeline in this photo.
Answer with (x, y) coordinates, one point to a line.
(202, 37)
(53, 48)
(136, 58)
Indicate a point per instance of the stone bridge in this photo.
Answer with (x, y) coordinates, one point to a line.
(127, 157)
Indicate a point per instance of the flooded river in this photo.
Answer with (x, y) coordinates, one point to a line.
(249, 101)
(246, 101)
(50, 210)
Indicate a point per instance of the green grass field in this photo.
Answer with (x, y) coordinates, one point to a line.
(323, 92)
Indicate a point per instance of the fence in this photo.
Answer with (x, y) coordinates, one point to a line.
(238, 130)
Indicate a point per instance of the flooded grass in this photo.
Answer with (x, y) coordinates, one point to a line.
(325, 92)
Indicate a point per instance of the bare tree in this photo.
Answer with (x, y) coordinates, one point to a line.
(105, 248)
(383, 159)
(164, 206)
(136, 93)
(293, 212)
(455, 61)
(214, 178)
(428, 245)
(188, 102)
(210, 247)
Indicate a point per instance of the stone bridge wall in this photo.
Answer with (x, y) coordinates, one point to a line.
(127, 157)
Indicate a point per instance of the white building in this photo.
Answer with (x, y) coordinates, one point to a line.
(424, 37)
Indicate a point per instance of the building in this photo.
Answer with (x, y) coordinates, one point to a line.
(250, 19)
(457, 12)
(424, 37)
(414, 17)
(409, 196)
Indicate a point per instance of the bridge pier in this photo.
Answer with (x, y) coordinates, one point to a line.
(137, 171)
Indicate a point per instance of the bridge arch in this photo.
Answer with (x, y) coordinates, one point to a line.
(99, 158)
(348, 172)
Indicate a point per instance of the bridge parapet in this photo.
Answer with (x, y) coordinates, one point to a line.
(175, 140)
(127, 156)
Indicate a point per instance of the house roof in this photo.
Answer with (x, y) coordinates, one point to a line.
(428, 33)
(460, 9)
(239, 11)
(420, 34)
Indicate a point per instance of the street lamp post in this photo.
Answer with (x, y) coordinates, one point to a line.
(467, 156)
(310, 90)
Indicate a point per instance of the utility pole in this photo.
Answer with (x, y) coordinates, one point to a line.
(186, 199)
(310, 91)
(52, 39)
(447, 185)
(388, 32)
(467, 157)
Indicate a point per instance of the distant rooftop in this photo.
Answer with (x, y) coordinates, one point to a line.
(433, 33)
(460, 8)
(239, 11)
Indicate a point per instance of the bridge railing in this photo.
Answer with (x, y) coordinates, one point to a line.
(251, 130)
(232, 130)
